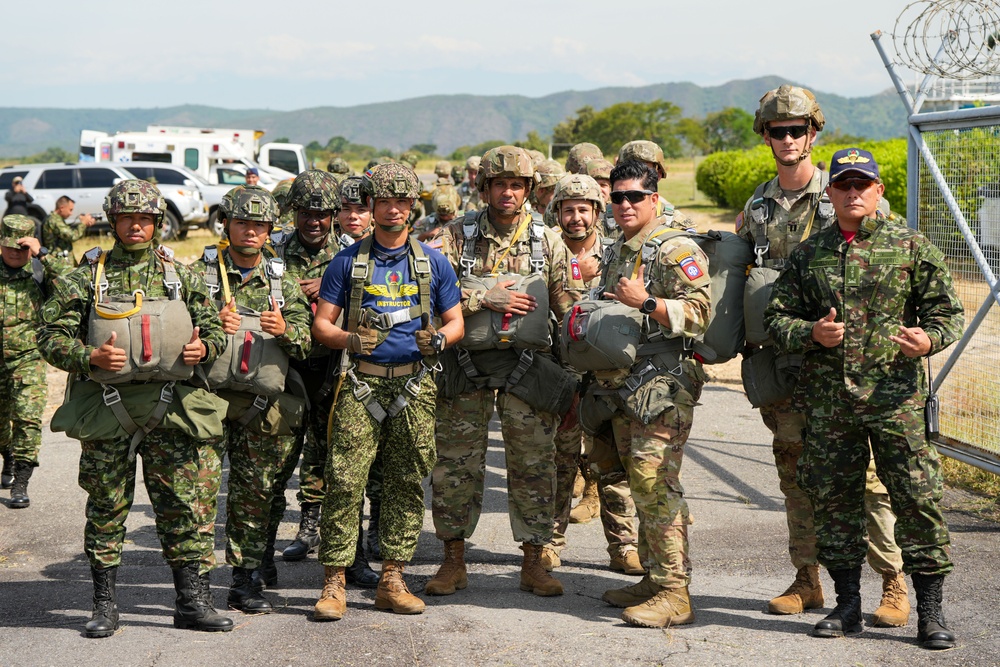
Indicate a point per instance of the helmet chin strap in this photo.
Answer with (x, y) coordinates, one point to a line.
(804, 156)
(249, 251)
(391, 228)
(133, 247)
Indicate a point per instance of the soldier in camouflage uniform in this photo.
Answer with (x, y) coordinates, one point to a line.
(182, 473)
(255, 456)
(652, 155)
(338, 167)
(457, 174)
(579, 205)
(315, 198)
(286, 221)
(579, 155)
(22, 371)
(443, 213)
(503, 244)
(471, 201)
(354, 220)
(664, 274)
(387, 402)
(549, 173)
(58, 235)
(863, 301)
(781, 214)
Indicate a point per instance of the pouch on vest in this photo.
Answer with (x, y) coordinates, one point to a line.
(545, 386)
(756, 294)
(653, 398)
(85, 416)
(282, 416)
(451, 380)
(729, 258)
(153, 333)
(489, 330)
(601, 335)
(594, 413)
(253, 361)
(769, 377)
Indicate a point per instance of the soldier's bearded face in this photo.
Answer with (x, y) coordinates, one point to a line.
(507, 195)
(576, 217)
(133, 228)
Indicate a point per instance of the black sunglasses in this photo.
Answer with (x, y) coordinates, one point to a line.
(797, 131)
(633, 196)
(859, 184)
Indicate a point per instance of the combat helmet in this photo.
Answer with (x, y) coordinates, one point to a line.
(549, 173)
(473, 162)
(644, 151)
(350, 191)
(442, 169)
(506, 162)
(410, 158)
(388, 181)
(338, 165)
(577, 186)
(599, 168)
(537, 157)
(135, 196)
(249, 202)
(457, 174)
(314, 190)
(579, 155)
(788, 103)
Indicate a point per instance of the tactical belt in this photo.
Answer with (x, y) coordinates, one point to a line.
(389, 372)
(113, 399)
(645, 369)
(363, 391)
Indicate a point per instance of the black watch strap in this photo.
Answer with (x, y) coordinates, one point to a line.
(648, 306)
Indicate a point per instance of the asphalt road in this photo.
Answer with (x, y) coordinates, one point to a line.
(739, 556)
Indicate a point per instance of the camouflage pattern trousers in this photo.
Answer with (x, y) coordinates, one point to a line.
(652, 454)
(618, 516)
(459, 474)
(406, 443)
(786, 425)
(832, 472)
(254, 462)
(24, 389)
(182, 477)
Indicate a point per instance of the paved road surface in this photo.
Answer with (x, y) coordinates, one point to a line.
(738, 551)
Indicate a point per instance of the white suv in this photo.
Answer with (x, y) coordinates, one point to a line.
(87, 185)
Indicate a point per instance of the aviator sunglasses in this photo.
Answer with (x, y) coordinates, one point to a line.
(797, 131)
(633, 196)
(859, 184)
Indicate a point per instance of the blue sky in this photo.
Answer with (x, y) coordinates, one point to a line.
(292, 54)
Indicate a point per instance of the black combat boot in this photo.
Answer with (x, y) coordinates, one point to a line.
(19, 489)
(266, 576)
(307, 538)
(193, 608)
(245, 596)
(932, 633)
(375, 511)
(846, 616)
(360, 572)
(104, 620)
(7, 476)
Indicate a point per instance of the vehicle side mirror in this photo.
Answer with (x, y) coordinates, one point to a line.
(190, 183)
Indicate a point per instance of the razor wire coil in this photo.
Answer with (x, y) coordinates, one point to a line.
(953, 39)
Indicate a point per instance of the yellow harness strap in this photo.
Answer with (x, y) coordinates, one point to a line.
(638, 257)
(513, 242)
(107, 314)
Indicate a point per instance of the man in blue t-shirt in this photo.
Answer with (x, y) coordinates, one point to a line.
(390, 287)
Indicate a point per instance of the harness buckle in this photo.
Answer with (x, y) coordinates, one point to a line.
(111, 395)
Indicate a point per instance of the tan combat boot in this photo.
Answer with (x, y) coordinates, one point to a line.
(534, 578)
(578, 484)
(451, 576)
(627, 560)
(894, 611)
(631, 595)
(806, 592)
(550, 559)
(333, 600)
(392, 593)
(589, 506)
(669, 607)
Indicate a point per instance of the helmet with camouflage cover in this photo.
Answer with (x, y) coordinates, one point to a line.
(473, 162)
(314, 190)
(248, 202)
(338, 165)
(444, 202)
(537, 157)
(579, 155)
(578, 186)
(134, 196)
(644, 151)
(374, 162)
(390, 181)
(549, 173)
(410, 159)
(442, 169)
(506, 162)
(599, 168)
(788, 103)
(350, 191)
(457, 174)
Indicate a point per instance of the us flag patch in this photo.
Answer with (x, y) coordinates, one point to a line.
(739, 221)
(690, 268)
(575, 269)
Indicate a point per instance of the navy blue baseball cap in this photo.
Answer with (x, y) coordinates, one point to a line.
(254, 171)
(853, 161)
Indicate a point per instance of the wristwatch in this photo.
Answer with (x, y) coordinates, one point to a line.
(648, 306)
(438, 342)
(42, 252)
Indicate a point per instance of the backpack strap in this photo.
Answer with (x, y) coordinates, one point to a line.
(761, 210)
(470, 234)
(171, 281)
(210, 256)
(360, 272)
(537, 252)
(420, 269)
(275, 269)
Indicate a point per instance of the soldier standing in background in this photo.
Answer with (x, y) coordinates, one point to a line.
(781, 214)
(58, 235)
(549, 173)
(182, 472)
(502, 239)
(22, 371)
(864, 300)
(339, 168)
(467, 190)
(387, 403)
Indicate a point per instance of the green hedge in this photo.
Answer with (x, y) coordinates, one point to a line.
(729, 178)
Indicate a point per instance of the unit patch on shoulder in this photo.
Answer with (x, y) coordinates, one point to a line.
(739, 221)
(575, 269)
(690, 267)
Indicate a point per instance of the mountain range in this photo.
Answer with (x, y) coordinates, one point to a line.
(448, 121)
